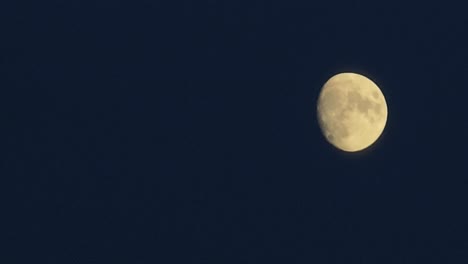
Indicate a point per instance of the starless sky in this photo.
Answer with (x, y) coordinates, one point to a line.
(186, 132)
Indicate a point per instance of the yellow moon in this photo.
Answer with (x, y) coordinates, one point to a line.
(352, 111)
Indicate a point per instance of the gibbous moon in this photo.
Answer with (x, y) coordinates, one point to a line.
(352, 111)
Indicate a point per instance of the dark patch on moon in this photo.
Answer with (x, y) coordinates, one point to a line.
(378, 108)
(355, 100)
(375, 94)
(363, 104)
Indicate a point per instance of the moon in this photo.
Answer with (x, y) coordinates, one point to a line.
(352, 111)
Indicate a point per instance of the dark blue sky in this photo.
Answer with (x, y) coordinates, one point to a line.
(186, 132)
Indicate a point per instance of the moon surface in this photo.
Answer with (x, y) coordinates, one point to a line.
(352, 111)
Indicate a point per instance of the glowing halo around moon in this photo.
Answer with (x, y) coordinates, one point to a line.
(352, 111)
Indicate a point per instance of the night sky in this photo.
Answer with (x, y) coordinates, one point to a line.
(186, 132)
